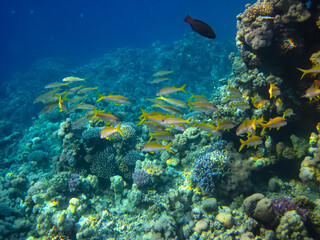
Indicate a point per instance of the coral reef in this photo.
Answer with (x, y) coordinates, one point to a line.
(63, 176)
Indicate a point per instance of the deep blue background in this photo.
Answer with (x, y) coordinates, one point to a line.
(80, 30)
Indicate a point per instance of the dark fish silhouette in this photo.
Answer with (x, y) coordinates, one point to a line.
(200, 27)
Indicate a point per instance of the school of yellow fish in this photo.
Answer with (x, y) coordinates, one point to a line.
(164, 124)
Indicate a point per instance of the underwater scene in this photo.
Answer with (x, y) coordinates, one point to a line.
(203, 134)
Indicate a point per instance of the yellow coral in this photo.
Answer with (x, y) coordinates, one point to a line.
(258, 9)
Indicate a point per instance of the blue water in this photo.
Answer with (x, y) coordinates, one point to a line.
(81, 30)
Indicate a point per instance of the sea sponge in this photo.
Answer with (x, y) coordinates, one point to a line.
(209, 205)
(202, 225)
(225, 219)
(260, 208)
(291, 227)
(296, 13)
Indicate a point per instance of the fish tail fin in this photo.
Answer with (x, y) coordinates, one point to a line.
(168, 147)
(242, 144)
(218, 125)
(188, 121)
(151, 136)
(119, 130)
(187, 18)
(189, 102)
(100, 97)
(95, 113)
(83, 79)
(254, 124)
(304, 72)
(65, 96)
(263, 129)
(144, 113)
(182, 88)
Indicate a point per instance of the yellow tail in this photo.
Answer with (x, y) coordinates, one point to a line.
(119, 130)
(243, 143)
(218, 125)
(100, 97)
(151, 136)
(182, 88)
(305, 71)
(168, 147)
(264, 126)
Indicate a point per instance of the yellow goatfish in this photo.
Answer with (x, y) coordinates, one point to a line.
(76, 99)
(81, 106)
(56, 85)
(47, 97)
(174, 120)
(314, 69)
(162, 135)
(202, 106)
(199, 98)
(81, 122)
(208, 127)
(108, 131)
(274, 91)
(158, 80)
(153, 147)
(244, 105)
(162, 73)
(117, 99)
(73, 90)
(251, 141)
(234, 91)
(170, 109)
(225, 124)
(168, 90)
(172, 101)
(50, 107)
(246, 126)
(276, 122)
(73, 79)
(312, 92)
(107, 117)
(85, 90)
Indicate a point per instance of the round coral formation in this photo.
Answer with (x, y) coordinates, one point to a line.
(209, 169)
(141, 177)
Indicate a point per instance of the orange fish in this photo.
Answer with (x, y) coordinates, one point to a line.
(276, 122)
(246, 126)
(274, 91)
(251, 141)
(108, 131)
(312, 92)
(107, 117)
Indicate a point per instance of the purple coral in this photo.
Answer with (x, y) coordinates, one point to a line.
(141, 177)
(283, 205)
(74, 182)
